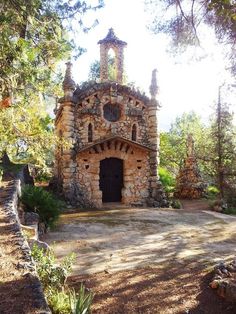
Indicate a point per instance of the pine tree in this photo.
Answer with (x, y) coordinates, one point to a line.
(223, 148)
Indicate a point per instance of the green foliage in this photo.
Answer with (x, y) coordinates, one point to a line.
(80, 303)
(53, 277)
(94, 71)
(34, 40)
(223, 148)
(230, 211)
(59, 302)
(167, 179)
(212, 192)
(27, 134)
(173, 142)
(43, 175)
(39, 200)
(175, 204)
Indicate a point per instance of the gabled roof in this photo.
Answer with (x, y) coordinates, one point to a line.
(115, 138)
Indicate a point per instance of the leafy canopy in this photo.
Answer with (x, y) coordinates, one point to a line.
(34, 39)
(183, 20)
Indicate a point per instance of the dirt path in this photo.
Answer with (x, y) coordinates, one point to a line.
(196, 205)
(148, 260)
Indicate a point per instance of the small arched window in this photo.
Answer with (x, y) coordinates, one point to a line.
(90, 133)
(134, 133)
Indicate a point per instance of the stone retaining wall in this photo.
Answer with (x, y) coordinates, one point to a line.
(32, 291)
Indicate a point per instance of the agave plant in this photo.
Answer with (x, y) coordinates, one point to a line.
(80, 303)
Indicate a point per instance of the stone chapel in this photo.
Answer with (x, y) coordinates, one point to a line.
(113, 131)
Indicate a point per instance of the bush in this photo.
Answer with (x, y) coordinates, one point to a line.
(59, 302)
(43, 175)
(167, 180)
(175, 204)
(39, 200)
(53, 277)
(212, 192)
(230, 211)
(166, 177)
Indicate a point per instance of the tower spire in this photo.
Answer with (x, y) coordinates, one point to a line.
(153, 87)
(68, 83)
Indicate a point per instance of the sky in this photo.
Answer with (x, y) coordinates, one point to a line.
(184, 83)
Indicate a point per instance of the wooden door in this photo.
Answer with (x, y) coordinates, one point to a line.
(111, 179)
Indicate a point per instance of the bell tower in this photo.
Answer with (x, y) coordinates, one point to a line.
(111, 41)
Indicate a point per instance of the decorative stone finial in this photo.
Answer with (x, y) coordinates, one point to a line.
(153, 87)
(190, 145)
(68, 83)
(112, 38)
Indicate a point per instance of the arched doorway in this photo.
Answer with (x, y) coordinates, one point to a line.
(111, 179)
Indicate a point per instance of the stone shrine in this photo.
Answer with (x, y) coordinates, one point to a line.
(113, 131)
(189, 183)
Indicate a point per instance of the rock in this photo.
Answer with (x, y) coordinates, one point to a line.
(31, 232)
(214, 284)
(31, 218)
(40, 244)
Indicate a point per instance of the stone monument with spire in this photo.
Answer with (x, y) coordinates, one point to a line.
(189, 183)
(109, 138)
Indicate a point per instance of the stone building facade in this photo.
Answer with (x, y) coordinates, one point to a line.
(112, 128)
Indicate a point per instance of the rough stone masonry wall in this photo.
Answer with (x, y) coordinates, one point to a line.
(25, 294)
(90, 110)
(136, 173)
(65, 167)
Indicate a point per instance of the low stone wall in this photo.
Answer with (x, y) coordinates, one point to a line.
(224, 280)
(33, 290)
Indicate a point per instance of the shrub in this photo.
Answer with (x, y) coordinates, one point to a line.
(166, 177)
(212, 192)
(230, 211)
(50, 274)
(175, 204)
(59, 301)
(43, 175)
(167, 180)
(39, 200)
(53, 277)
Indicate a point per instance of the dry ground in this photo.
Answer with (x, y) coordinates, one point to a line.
(148, 260)
(17, 288)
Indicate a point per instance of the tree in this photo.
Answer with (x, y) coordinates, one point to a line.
(183, 19)
(94, 69)
(223, 148)
(173, 142)
(34, 39)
